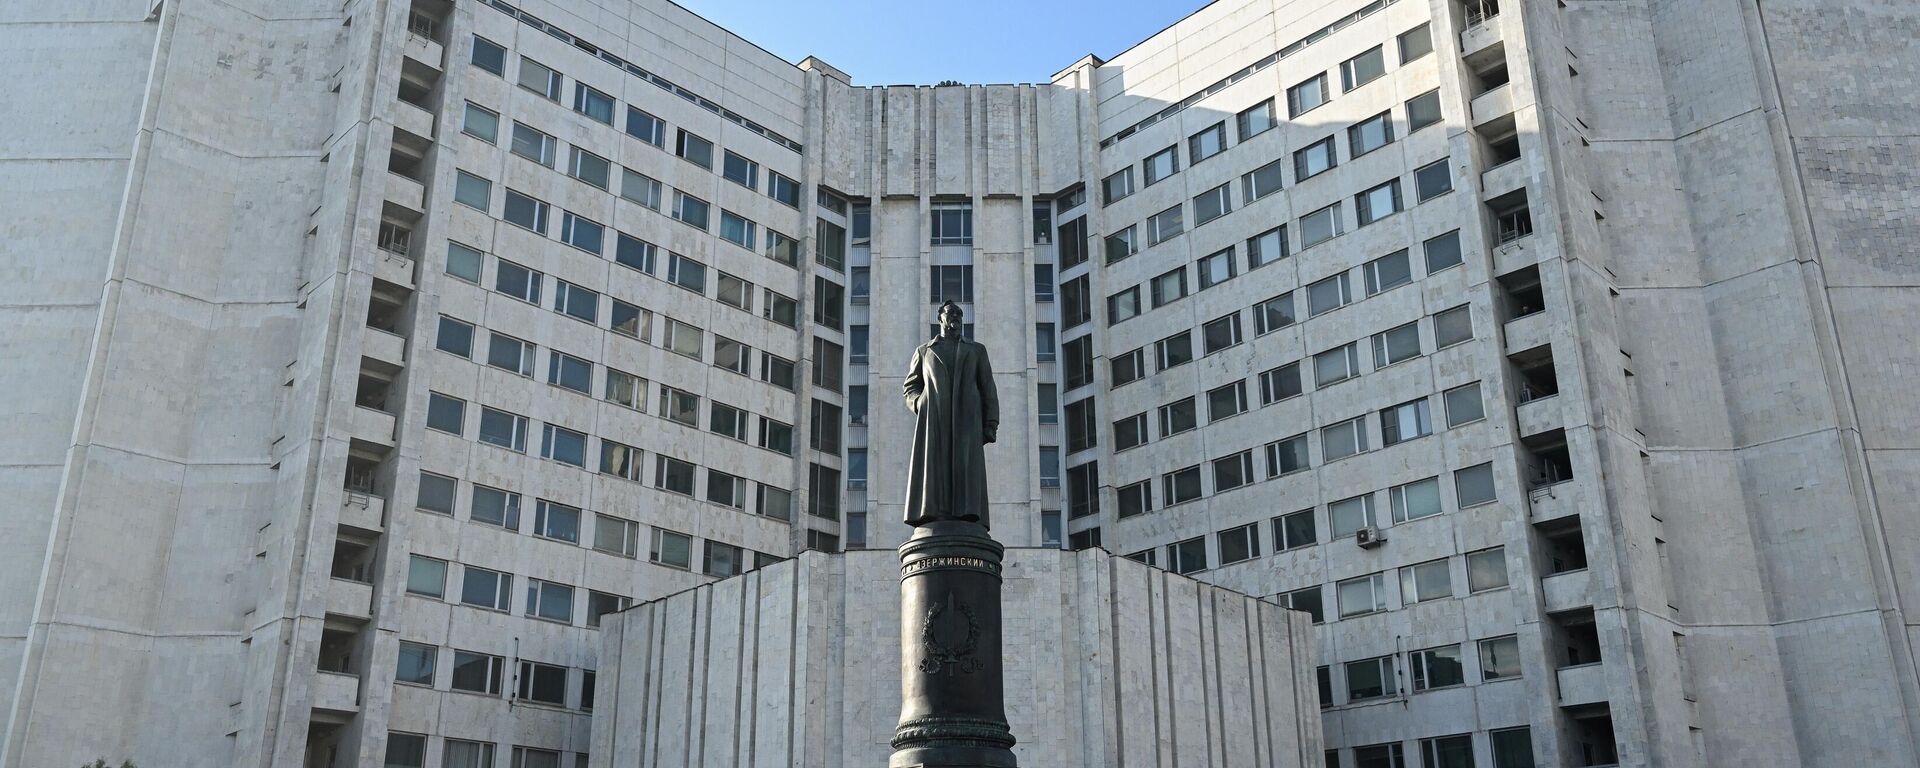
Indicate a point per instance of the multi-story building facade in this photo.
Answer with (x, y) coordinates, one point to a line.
(1548, 352)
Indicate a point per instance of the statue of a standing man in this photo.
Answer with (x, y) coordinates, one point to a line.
(950, 387)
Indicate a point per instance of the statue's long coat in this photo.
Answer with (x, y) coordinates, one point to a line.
(950, 388)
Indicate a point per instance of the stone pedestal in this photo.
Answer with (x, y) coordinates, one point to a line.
(952, 703)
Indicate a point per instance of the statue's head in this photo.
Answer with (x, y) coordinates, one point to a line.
(950, 319)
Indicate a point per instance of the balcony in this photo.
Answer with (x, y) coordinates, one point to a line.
(349, 598)
(1567, 591)
(1527, 332)
(373, 426)
(1539, 416)
(1582, 684)
(1503, 178)
(384, 346)
(1484, 32)
(406, 192)
(1493, 105)
(423, 49)
(364, 511)
(1552, 502)
(336, 693)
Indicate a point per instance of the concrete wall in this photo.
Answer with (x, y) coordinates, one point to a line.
(1107, 662)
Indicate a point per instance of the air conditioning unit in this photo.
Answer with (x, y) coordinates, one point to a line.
(1369, 537)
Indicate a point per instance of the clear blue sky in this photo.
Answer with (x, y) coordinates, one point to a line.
(919, 42)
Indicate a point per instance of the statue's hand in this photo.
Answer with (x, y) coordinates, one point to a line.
(991, 434)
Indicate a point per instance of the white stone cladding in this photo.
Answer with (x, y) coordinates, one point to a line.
(1108, 662)
(1692, 354)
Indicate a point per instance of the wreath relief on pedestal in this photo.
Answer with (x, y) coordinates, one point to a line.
(948, 635)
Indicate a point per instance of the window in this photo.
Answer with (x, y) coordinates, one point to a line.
(673, 475)
(1121, 244)
(492, 506)
(1178, 416)
(1191, 555)
(1043, 283)
(690, 209)
(1293, 531)
(528, 757)
(1512, 747)
(1415, 500)
(1081, 431)
(1360, 596)
(672, 549)
(1474, 485)
(1363, 69)
(1220, 333)
(1336, 365)
(782, 248)
(1164, 225)
(1175, 350)
(951, 283)
(1256, 120)
(823, 492)
(693, 149)
(722, 560)
(737, 230)
(1370, 134)
(524, 211)
(454, 337)
(543, 683)
(1267, 247)
(1287, 455)
(576, 302)
(829, 366)
(1160, 165)
(1083, 490)
(1325, 680)
(1338, 441)
(952, 224)
(1308, 95)
(1308, 601)
(1254, 184)
(783, 189)
(830, 244)
(1135, 499)
(550, 601)
(1464, 404)
(1225, 401)
(482, 588)
(1388, 272)
(1350, 514)
(1486, 569)
(1396, 345)
(1415, 43)
(682, 338)
(489, 55)
(406, 750)
(645, 127)
(1182, 485)
(1127, 366)
(536, 77)
(481, 123)
(1436, 668)
(1207, 143)
(1378, 203)
(726, 490)
(447, 414)
(436, 493)
(1238, 544)
(781, 309)
(1116, 186)
(829, 303)
(464, 262)
(731, 355)
(1452, 326)
(680, 406)
(472, 191)
(1169, 287)
(1314, 159)
(860, 222)
(1423, 110)
(594, 104)
(426, 576)
(510, 354)
(553, 520)
(1500, 658)
(619, 460)
(825, 434)
(1432, 180)
(1442, 252)
(1430, 580)
(613, 536)
(637, 254)
(1320, 226)
(1049, 466)
(740, 170)
(564, 370)
(1212, 204)
(776, 370)
(534, 145)
(507, 430)
(1216, 268)
(477, 673)
(1230, 472)
(774, 502)
(1130, 432)
(1371, 679)
(1404, 422)
(1123, 305)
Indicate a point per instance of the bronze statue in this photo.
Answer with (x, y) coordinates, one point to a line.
(950, 387)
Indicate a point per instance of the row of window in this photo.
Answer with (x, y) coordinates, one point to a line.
(409, 750)
(1301, 98)
(482, 673)
(1427, 669)
(1508, 747)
